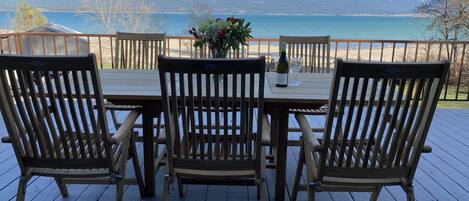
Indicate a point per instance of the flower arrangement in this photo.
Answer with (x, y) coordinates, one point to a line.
(222, 35)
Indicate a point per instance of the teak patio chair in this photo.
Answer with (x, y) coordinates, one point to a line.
(48, 104)
(314, 51)
(139, 50)
(315, 54)
(376, 140)
(136, 51)
(228, 95)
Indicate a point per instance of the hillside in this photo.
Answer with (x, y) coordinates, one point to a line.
(308, 7)
(331, 7)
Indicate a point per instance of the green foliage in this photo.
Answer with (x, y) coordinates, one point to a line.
(28, 17)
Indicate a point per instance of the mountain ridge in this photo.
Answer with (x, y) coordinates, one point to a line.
(298, 7)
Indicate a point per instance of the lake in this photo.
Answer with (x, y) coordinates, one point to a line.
(271, 26)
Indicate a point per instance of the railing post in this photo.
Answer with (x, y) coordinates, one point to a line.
(18, 44)
(461, 66)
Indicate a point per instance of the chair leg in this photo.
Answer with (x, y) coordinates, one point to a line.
(120, 189)
(62, 187)
(20, 195)
(180, 187)
(166, 188)
(299, 171)
(311, 194)
(273, 136)
(122, 165)
(158, 158)
(136, 164)
(120, 183)
(261, 190)
(410, 193)
(375, 194)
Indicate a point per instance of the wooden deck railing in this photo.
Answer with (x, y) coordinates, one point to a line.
(456, 88)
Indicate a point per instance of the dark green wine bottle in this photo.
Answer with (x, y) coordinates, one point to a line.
(282, 70)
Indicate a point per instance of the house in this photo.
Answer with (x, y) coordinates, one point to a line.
(64, 42)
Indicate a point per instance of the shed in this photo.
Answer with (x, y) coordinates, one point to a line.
(50, 44)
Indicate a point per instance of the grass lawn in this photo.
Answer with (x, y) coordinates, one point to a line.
(451, 95)
(453, 104)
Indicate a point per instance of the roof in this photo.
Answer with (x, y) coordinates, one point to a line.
(57, 28)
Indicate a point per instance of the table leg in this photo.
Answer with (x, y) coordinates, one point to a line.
(148, 152)
(281, 155)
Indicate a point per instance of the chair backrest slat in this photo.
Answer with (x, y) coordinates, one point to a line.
(225, 117)
(98, 149)
(40, 131)
(31, 113)
(234, 116)
(216, 100)
(182, 91)
(59, 122)
(64, 113)
(199, 104)
(139, 50)
(191, 110)
(403, 150)
(379, 116)
(25, 126)
(314, 51)
(47, 114)
(47, 103)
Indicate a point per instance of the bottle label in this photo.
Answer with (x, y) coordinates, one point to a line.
(282, 78)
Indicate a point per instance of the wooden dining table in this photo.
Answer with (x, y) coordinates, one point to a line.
(142, 88)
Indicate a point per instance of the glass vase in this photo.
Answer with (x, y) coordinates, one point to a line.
(218, 54)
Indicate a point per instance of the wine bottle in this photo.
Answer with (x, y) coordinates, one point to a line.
(282, 70)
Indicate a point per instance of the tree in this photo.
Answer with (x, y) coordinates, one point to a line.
(123, 15)
(450, 18)
(28, 17)
(200, 12)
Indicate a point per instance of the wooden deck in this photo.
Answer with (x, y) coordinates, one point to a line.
(441, 175)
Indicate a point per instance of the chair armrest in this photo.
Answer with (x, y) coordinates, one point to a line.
(310, 141)
(6, 139)
(426, 149)
(112, 107)
(266, 138)
(124, 130)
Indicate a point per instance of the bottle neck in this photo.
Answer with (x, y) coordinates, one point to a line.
(283, 55)
(283, 47)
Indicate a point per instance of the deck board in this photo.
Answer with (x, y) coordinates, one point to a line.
(442, 175)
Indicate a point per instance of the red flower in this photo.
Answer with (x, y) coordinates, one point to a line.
(232, 19)
(221, 33)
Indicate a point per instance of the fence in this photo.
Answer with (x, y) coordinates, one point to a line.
(456, 88)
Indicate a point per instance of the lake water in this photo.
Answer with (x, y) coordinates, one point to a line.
(270, 26)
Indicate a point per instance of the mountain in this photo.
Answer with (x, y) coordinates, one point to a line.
(305, 7)
(310, 7)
